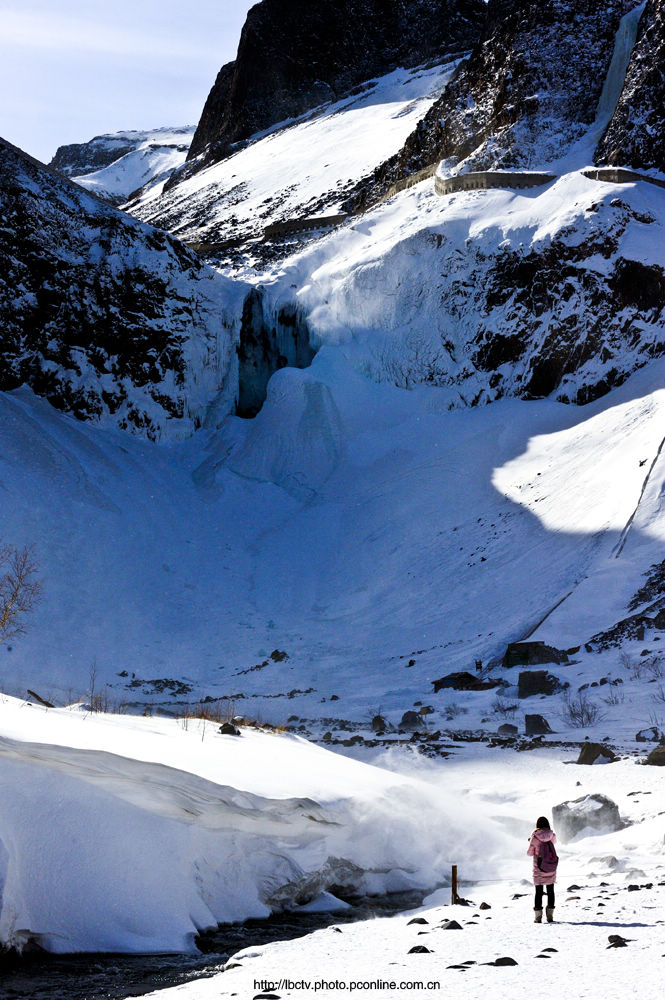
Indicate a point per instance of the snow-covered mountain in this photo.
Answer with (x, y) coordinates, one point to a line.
(456, 445)
(105, 317)
(117, 165)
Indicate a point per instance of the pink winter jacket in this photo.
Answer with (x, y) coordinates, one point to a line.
(540, 836)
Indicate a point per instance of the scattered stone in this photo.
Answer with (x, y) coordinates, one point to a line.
(573, 888)
(506, 960)
(419, 949)
(379, 724)
(278, 655)
(633, 888)
(589, 814)
(596, 753)
(536, 725)
(542, 956)
(553, 950)
(507, 729)
(656, 757)
(484, 906)
(518, 895)
(533, 682)
(616, 941)
(451, 925)
(228, 729)
(417, 920)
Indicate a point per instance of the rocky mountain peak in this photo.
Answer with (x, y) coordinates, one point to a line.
(294, 56)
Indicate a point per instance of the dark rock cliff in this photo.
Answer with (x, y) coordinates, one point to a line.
(528, 91)
(295, 55)
(105, 317)
(636, 134)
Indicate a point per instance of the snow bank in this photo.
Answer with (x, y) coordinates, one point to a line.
(187, 828)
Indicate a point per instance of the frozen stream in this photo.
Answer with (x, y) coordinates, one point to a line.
(115, 977)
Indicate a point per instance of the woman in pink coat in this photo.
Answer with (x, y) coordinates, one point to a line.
(545, 860)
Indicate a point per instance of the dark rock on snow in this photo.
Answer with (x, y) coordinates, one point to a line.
(228, 729)
(462, 680)
(594, 753)
(651, 735)
(534, 682)
(507, 729)
(536, 725)
(656, 757)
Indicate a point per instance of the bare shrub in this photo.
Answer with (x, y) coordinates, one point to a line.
(626, 660)
(659, 695)
(20, 590)
(653, 666)
(454, 709)
(615, 697)
(506, 709)
(579, 710)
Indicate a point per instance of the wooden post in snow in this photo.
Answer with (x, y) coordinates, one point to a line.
(453, 885)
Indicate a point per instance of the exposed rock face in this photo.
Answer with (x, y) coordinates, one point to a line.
(105, 317)
(530, 88)
(590, 813)
(294, 55)
(636, 134)
(213, 110)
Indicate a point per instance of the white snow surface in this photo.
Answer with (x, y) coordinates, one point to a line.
(507, 791)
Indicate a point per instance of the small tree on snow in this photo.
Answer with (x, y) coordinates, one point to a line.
(20, 590)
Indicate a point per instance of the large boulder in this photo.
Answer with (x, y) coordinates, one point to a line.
(586, 816)
(657, 757)
(532, 682)
(536, 725)
(412, 721)
(596, 753)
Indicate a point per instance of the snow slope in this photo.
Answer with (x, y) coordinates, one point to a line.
(298, 168)
(349, 546)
